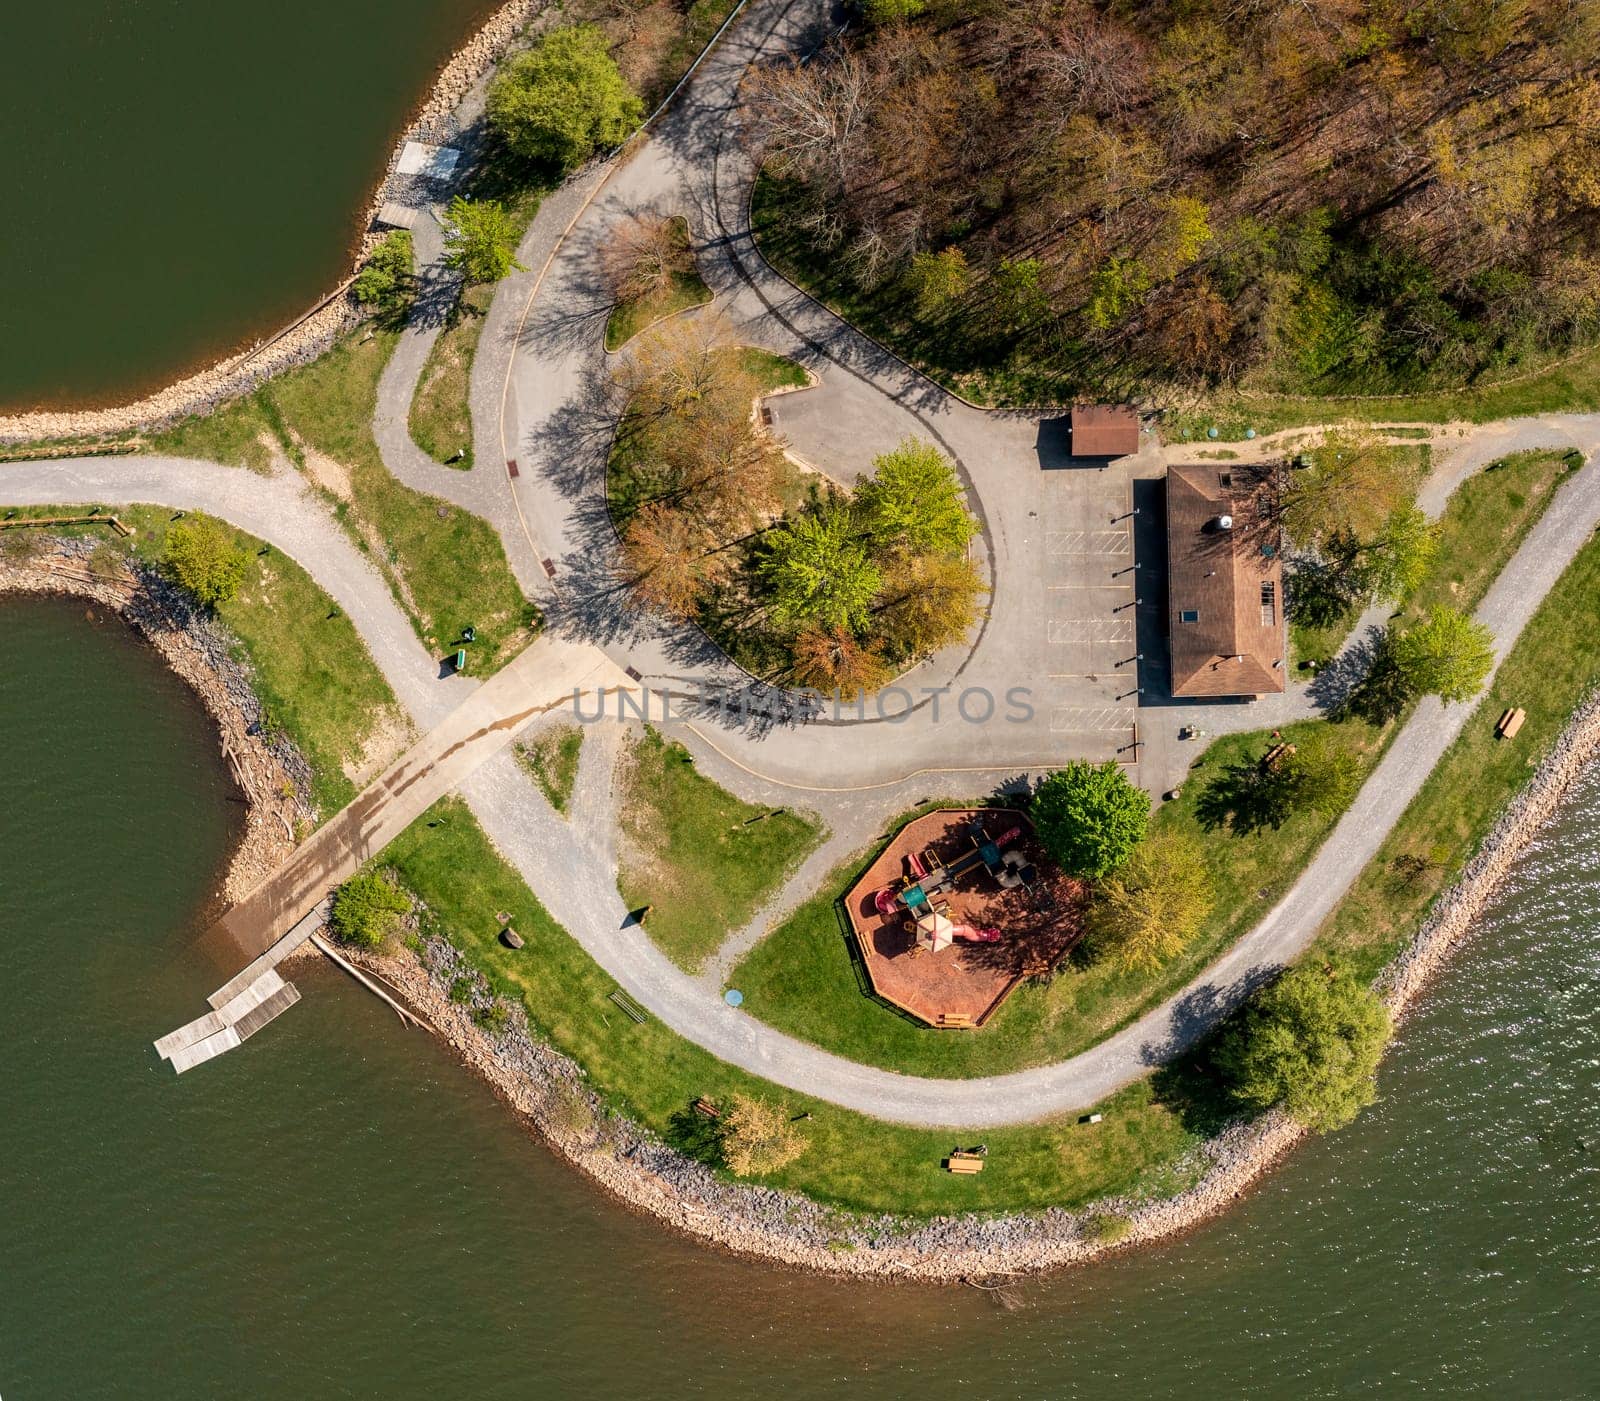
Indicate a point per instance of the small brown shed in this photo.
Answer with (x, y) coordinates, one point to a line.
(1104, 430)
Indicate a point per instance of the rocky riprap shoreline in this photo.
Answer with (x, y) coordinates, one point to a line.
(551, 1093)
(268, 767)
(303, 340)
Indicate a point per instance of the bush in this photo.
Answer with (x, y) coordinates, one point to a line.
(563, 100)
(757, 1137)
(1090, 817)
(365, 908)
(480, 239)
(200, 555)
(1310, 1042)
(386, 282)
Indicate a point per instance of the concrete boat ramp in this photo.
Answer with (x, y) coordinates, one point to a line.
(242, 1005)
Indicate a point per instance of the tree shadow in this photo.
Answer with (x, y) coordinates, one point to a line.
(697, 1136)
(1245, 798)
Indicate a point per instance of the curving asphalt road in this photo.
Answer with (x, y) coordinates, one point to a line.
(549, 407)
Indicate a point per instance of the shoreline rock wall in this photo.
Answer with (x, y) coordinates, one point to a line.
(314, 332)
(268, 768)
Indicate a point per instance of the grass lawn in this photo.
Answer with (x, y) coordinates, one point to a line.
(685, 290)
(312, 671)
(440, 420)
(1552, 667)
(803, 977)
(551, 758)
(244, 433)
(851, 1161)
(700, 858)
(446, 570)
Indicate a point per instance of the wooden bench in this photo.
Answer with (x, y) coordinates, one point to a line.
(1509, 723)
(706, 1107)
(1274, 756)
(963, 1163)
(955, 1021)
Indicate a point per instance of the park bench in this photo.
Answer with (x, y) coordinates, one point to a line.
(963, 1163)
(1276, 755)
(1510, 723)
(955, 1020)
(706, 1107)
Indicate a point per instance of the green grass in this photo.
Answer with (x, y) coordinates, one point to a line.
(686, 289)
(851, 1161)
(440, 420)
(700, 858)
(312, 672)
(244, 433)
(803, 977)
(551, 759)
(1553, 666)
(445, 570)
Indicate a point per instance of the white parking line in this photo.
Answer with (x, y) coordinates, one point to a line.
(1088, 542)
(1091, 720)
(1062, 630)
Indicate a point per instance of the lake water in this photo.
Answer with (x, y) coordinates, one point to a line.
(338, 1209)
(185, 177)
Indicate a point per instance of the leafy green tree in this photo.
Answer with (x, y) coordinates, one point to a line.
(819, 571)
(1115, 290)
(913, 502)
(1349, 487)
(365, 908)
(1310, 1042)
(1019, 294)
(1321, 774)
(759, 1136)
(386, 281)
(480, 239)
(938, 281)
(1398, 560)
(1447, 655)
(200, 554)
(1145, 914)
(1184, 231)
(564, 99)
(1089, 817)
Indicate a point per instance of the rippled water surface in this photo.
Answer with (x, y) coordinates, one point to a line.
(183, 176)
(339, 1210)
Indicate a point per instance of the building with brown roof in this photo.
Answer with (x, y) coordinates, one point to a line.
(1104, 430)
(1224, 581)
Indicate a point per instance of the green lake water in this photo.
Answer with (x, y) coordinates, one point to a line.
(339, 1210)
(185, 177)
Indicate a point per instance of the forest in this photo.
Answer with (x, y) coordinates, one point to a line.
(1037, 198)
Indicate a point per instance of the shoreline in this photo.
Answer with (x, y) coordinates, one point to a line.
(272, 776)
(547, 1090)
(311, 333)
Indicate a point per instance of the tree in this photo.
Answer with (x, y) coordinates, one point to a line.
(938, 281)
(818, 570)
(1447, 655)
(200, 554)
(645, 253)
(1311, 1042)
(365, 908)
(888, 11)
(758, 1137)
(1350, 487)
(1390, 566)
(932, 601)
(912, 503)
(1321, 774)
(1089, 817)
(675, 559)
(480, 239)
(1117, 287)
(564, 99)
(1145, 914)
(386, 281)
(836, 661)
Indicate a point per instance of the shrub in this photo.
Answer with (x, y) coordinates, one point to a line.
(365, 908)
(480, 239)
(757, 1137)
(200, 555)
(1107, 1227)
(564, 99)
(386, 282)
(1311, 1042)
(1090, 818)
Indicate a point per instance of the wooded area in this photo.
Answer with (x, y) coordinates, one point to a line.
(1303, 195)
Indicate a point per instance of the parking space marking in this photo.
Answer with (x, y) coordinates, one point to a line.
(1091, 720)
(1088, 542)
(1063, 630)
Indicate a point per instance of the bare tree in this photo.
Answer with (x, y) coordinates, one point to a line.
(645, 252)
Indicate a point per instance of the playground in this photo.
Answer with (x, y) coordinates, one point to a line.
(959, 908)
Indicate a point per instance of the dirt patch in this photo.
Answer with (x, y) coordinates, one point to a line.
(328, 473)
(391, 731)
